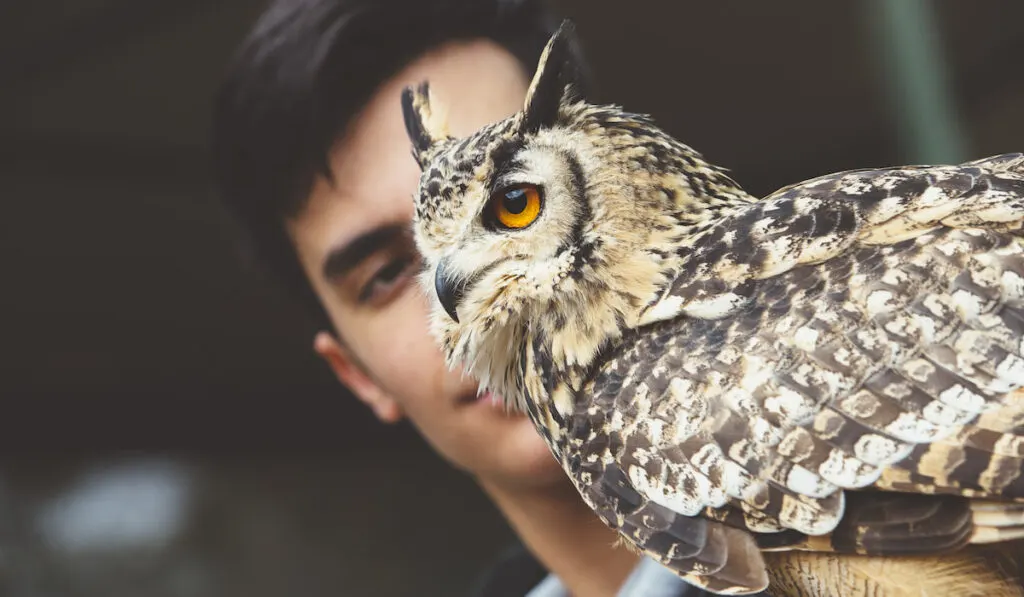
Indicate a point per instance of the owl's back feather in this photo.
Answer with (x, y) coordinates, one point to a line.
(848, 364)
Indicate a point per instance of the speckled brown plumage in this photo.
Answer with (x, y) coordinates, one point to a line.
(833, 368)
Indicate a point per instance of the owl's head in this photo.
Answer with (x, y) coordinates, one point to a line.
(548, 226)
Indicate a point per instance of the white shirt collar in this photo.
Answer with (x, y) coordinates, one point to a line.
(648, 579)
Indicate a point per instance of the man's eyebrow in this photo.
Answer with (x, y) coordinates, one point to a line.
(342, 259)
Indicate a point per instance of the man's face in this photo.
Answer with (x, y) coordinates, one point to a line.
(354, 242)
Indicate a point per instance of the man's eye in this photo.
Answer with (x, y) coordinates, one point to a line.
(387, 279)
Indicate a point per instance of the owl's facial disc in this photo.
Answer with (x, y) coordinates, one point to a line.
(510, 208)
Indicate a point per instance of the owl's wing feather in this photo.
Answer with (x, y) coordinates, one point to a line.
(714, 555)
(996, 522)
(881, 523)
(857, 330)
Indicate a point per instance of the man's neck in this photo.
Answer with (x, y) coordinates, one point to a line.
(566, 537)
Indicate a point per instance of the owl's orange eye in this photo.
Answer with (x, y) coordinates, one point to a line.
(516, 207)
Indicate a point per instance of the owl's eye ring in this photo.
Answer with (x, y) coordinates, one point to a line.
(516, 207)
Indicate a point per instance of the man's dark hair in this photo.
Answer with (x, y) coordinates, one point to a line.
(304, 72)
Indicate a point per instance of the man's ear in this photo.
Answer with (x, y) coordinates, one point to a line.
(351, 375)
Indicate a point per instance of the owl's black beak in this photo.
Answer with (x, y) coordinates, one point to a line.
(450, 288)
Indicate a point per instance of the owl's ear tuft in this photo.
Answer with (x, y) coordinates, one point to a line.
(555, 82)
(424, 127)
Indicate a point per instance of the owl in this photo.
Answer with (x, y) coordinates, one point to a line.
(816, 391)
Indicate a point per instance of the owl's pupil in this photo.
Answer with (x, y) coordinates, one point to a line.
(515, 201)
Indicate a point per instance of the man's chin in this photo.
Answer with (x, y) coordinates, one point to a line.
(530, 447)
(525, 454)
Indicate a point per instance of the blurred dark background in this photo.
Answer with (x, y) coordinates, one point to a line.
(166, 429)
